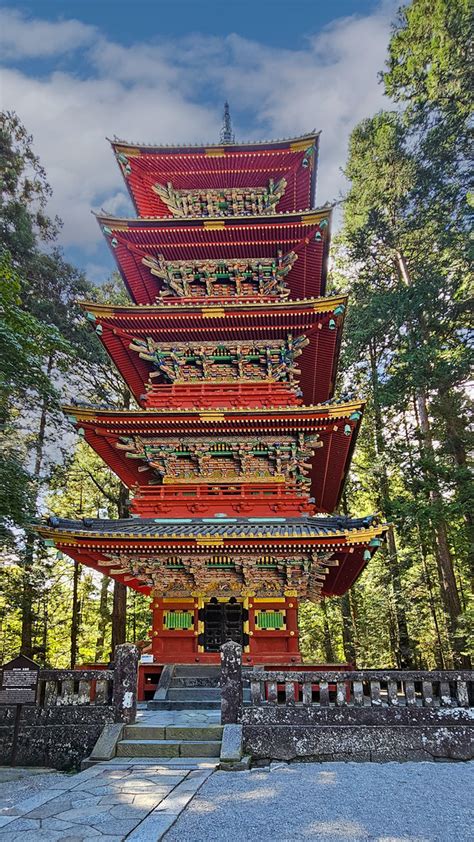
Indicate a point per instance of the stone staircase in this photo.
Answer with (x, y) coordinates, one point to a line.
(170, 741)
(189, 687)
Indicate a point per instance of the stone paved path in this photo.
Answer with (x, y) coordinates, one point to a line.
(178, 717)
(333, 802)
(125, 798)
(131, 798)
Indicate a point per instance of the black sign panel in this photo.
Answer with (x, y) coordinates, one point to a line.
(19, 681)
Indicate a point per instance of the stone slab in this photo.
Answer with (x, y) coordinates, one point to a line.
(280, 742)
(194, 732)
(106, 746)
(144, 732)
(201, 748)
(242, 765)
(232, 739)
(153, 828)
(148, 748)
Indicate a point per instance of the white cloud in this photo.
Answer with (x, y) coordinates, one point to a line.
(22, 37)
(160, 92)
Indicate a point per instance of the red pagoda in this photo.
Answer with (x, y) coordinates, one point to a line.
(237, 453)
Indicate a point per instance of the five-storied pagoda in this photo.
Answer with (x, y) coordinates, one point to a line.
(238, 453)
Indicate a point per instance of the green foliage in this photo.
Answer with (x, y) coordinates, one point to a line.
(25, 344)
(429, 58)
(403, 257)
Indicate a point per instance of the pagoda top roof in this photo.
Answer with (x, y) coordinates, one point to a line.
(177, 148)
(148, 170)
(356, 529)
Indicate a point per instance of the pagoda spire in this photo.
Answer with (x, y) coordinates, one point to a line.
(227, 135)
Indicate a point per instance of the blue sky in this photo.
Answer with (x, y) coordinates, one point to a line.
(158, 71)
(279, 23)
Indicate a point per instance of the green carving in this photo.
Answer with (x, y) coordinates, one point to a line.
(234, 201)
(213, 279)
(238, 459)
(271, 361)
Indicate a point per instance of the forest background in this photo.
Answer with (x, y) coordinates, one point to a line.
(402, 255)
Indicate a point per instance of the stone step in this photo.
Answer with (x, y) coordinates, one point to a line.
(195, 681)
(168, 748)
(200, 694)
(173, 732)
(204, 670)
(183, 704)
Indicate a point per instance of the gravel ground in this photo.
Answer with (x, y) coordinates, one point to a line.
(18, 783)
(333, 802)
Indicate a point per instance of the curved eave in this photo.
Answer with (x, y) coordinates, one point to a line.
(177, 149)
(322, 304)
(92, 548)
(177, 323)
(170, 533)
(309, 216)
(329, 465)
(221, 238)
(327, 412)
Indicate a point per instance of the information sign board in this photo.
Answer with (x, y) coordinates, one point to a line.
(19, 682)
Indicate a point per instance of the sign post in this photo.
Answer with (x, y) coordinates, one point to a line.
(18, 686)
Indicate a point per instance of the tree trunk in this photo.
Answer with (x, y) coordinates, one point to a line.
(75, 614)
(448, 584)
(328, 647)
(119, 615)
(119, 611)
(347, 629)
(449, 411)
(449, 589)
(28, 588)
(27, 601)
(104, 619)
(403, 649)
(439, 655)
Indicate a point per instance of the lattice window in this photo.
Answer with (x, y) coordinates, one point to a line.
(271, 620)
(176, 619)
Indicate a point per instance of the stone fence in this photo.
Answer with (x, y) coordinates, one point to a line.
(360, 689)
(356, 715)
(72, 707)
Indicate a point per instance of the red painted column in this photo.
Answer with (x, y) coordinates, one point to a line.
(291, 608)
(156, 629)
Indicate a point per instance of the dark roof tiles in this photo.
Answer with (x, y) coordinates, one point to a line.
(209, 527)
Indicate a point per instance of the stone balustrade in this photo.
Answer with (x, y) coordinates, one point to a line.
(74, 687)
(366, 715)
(363, 688)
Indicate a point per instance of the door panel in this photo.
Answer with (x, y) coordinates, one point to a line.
(222, 622)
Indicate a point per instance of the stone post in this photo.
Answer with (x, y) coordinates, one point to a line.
(125, 683)
(231, 683)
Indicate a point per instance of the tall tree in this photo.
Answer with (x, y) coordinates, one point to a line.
(391, 236)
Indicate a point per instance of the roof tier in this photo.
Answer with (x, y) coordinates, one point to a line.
(333, 427)
(318, 556)
(319, 320)
(137, 244)
(218, 167)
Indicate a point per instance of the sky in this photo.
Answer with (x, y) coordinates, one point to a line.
(158, 71)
